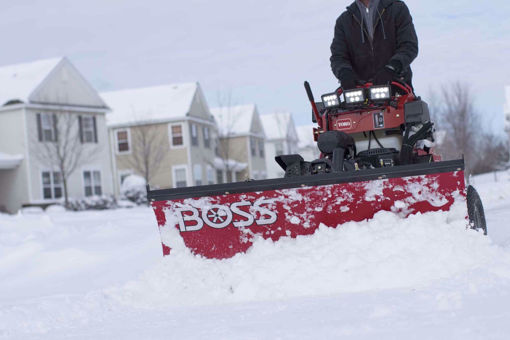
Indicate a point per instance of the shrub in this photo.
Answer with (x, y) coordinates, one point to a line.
(134, 189)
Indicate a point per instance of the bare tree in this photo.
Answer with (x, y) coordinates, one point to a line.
(148, 150)
(455, 114)
(226, 131)
(63, 148)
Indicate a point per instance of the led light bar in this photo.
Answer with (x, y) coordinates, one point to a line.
(378, 93)
(331, 100)
(354, 96)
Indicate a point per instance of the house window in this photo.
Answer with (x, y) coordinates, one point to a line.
(47, 127)
(207, 138)
(177, 136)
(197, 174)
(92, 182)
(278, 147)
(194, 135)
(210, 175)
(261, 148)
(52, 184)
(122, 141)
(180, 178)
(219, 176)
(253, 145)
(88, 129)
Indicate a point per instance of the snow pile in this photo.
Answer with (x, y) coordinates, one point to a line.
(384, 253)
(134, 189)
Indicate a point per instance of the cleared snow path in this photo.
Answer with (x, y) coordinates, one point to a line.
(100, 275)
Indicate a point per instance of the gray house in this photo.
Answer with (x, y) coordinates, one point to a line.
(281, 139)
(44, 104)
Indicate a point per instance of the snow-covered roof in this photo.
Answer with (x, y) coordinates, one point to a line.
(19, 81)
(155, 104)
(305, 136)
(234, 120)
(276, 125)
(230, 164)
(10, 161)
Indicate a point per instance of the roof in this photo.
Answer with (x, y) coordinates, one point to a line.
(234, 120)
(10, 161)
(276, 125)
(305, 136)
(19, 81)
(155, 104)
(231, 165)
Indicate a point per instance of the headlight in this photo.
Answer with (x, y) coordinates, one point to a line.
(331, 100)
(380, 93)
(354, 96)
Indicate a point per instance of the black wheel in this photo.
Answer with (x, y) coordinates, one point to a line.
(475, 211)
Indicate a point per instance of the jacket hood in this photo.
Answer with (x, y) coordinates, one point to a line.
(383, 4)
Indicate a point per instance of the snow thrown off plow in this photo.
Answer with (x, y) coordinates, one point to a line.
(386, 252)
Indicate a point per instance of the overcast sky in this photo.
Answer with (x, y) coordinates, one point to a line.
(260, 50)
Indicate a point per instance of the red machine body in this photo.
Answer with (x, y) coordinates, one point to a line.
(221, 226)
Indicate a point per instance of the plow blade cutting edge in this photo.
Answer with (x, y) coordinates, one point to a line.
(220, 221)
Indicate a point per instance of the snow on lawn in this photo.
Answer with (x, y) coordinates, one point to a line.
(101, 275)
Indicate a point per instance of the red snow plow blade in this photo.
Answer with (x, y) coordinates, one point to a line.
(220, 221)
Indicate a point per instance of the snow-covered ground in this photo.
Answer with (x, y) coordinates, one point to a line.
(100, 275)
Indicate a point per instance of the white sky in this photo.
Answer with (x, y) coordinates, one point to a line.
(261, 50)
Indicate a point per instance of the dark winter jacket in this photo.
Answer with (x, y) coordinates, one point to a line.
(394, 43)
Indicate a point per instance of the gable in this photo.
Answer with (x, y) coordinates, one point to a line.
(276, 125)
(256, 124)
(64, 85)
(199, 107)
(292, 134)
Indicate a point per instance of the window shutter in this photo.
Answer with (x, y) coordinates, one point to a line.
(80, 126)
(55, 130)
(39, 127)
(95, 129)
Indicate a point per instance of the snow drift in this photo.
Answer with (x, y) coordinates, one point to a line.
(383, 253)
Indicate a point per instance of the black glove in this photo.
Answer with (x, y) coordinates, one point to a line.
(348, 79)
(384, 76)
(388, 73)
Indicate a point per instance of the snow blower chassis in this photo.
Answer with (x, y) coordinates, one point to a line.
(220, 221)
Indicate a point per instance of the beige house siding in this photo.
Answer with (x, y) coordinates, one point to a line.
(162, 177)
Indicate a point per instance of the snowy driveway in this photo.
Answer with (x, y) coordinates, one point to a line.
(100, 275)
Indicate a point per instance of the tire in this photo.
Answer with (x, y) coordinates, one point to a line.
(475, 211)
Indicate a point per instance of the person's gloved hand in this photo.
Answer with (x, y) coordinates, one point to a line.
(388, 73)
(384, 76)
(348, 80)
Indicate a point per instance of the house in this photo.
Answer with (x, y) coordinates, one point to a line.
(164, 133)
(50, 115)
(241, 148)
(307, 147)
(281, 139)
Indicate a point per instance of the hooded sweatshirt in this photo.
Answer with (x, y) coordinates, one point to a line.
(394, 42)
(368, 14)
